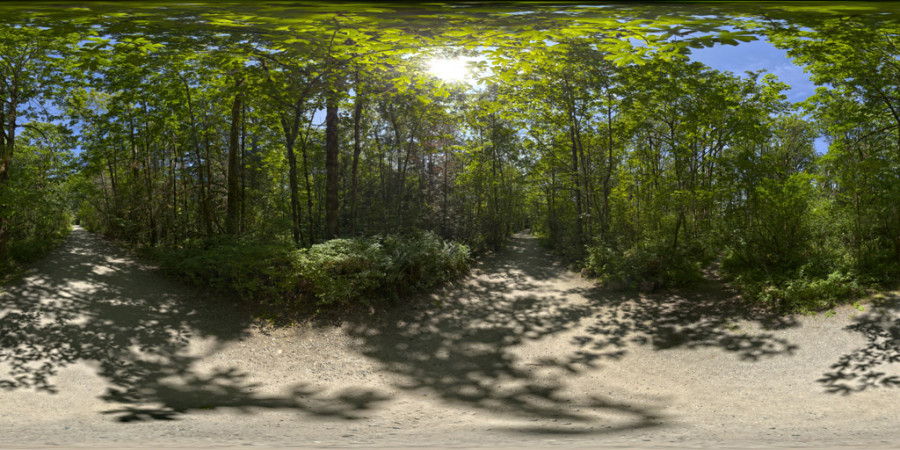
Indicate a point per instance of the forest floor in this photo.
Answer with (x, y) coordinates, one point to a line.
(99, 350)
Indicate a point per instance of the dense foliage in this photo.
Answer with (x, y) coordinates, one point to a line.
(266, 148)
(42, 166)
(336, 272)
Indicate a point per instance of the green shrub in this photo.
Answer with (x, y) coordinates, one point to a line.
(803, 294)
(647, 262)
(366, 269)
(339, 271)
(255, 271)
(815, 274)
(824, 280)
(29, 247)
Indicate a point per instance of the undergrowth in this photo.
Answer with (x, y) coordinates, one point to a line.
(332, 274)
(805, 287)
(29, 250)
(646, 262)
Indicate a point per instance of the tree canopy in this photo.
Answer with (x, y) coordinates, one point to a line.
(171, 125)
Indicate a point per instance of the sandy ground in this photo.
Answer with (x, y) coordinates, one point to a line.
(97, 350)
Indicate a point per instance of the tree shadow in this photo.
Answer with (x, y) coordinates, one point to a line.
(467, 352)
(866, 367)
(705, 316)
(464, 352)
(521, 261)
(88, 302)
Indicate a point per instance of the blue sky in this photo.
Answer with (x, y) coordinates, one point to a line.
(757, 55)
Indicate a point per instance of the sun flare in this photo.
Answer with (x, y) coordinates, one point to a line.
(451, 70)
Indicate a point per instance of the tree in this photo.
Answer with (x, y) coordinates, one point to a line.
(331, 167)
(32, 65)
(233, 213)
(857, 57)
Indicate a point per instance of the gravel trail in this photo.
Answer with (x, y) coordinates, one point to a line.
(99, 350)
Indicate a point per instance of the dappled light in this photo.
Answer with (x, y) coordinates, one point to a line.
(465, 350)
(877, 363)
(704, 319)
(449, 224)
(92, 304)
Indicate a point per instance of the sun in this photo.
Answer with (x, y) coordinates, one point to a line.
(451, 70)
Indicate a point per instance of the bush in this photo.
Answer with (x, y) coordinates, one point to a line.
(803, 294)
(823, 278)
(647, 262)
(340, 270)
(336, 272)
(33, 249)
(365, 269)
(793, 260)
(256, 271)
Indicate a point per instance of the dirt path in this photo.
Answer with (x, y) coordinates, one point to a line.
(98, 350)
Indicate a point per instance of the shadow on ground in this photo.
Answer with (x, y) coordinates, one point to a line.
(707, 316)
(88, 302)
(465, 350)
(870, 365)
(464, 347)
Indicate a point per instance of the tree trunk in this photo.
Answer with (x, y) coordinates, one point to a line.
(213, 218)
(604, 221)
(381, 177)
(494, 201)
(444, 213)
(243, 225)
(6, 152)
(677, 229)
(233, 194)
(173, 166)
(148, 179)
(290, 136)
(309, 194)
(585, 184)
(204, 206)
(579, 225)
(331, 167)
(897, 237)
(357, 149)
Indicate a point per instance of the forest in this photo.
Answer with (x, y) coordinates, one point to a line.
(315, 155)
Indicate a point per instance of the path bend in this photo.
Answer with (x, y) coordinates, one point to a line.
(98, 349)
